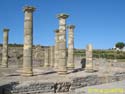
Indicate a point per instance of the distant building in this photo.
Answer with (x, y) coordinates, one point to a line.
(117, 49)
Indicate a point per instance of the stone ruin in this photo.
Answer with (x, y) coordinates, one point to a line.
(50, 69)
(55, 56)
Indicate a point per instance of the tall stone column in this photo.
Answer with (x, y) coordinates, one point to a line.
(46, 57)
(56, 49)
(62, 68)
(89, 58)
(28, 41)
(70, 61)
(52, 56)
(5, 48)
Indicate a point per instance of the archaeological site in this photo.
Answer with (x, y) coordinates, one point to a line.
(56, 69)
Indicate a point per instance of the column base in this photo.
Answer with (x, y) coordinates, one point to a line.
(55, 67)
(89, 70)
(70, 68)
(46, 66)
(62, 72)
(4, 66)
(27, 73)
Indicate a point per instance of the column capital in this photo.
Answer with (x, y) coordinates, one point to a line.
(56, 31)
(29, 8)
(71, 26)
(62, 15)
(6, 30)
(89, 47)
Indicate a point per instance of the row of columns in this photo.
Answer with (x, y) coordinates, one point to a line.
(57, 52)
(62, 63)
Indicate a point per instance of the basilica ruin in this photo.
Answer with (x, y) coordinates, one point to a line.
(30, 69)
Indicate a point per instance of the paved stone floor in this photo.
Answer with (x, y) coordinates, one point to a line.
(49, 75)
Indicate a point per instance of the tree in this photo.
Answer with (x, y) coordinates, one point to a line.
(119, 45)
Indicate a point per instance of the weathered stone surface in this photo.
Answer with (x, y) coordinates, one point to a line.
(62, 66)
(5, 49)
(70, 60)
(40, 87)
(38, 55)
(89, 58)
(15, 56)
(46, 59)
(28, 41)
(52, 56)
(62, 86)
(56, 49)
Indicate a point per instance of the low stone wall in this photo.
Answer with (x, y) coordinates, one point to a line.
(34, 87)
(15, 55)
(38, 87)
(96, 80)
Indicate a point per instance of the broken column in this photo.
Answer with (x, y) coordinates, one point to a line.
(89, 58)
(28, 41)
(5, 48)
(56, 49)
(70, 60)
(46, 57)
(62, 69)
(52, 56)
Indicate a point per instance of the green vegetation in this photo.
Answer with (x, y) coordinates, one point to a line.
(119, 45)
(109, 54)
(13, 45)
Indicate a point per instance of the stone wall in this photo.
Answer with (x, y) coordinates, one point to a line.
(40, 87)
(15, 55)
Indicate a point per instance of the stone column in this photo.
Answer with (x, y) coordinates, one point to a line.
(52, 56)
(56, 49)
(5, 48)
(70, 60)
(46, 57)
(62, 68)
(89, 59)
(28, 41)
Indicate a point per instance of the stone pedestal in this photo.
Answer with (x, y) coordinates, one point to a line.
(52, 56)
(5, 49)
(70, 60)
(56, 49)
(46, 57)
(62, 69)
(28, 41)
(89, 58)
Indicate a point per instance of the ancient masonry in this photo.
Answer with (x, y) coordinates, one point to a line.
(62, 69)
(28, 41)
(52, 56)
(89, 61)
(46, 59)
(56, 48)
(70, 61)
(5, 48)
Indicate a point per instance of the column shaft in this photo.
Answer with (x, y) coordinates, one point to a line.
(62, 69)
(5, 49)
(89, 61)
(28, 41)
(46, 57)
(70, 61)
(56, 49)
(52, 56)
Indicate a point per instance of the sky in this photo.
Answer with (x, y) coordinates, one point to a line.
(99, 22)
